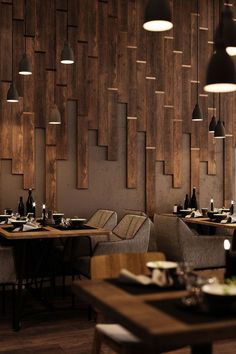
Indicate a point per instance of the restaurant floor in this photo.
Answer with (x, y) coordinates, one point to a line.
(65, 330)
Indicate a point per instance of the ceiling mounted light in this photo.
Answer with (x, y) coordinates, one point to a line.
(219, 130)
(212, 125)
(221, 76)
(55, 115)
(197, 113)
(12, 94)
(67, 54)
(158, 16)
(25, 67)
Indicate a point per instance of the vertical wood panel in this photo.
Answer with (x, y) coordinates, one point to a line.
(62, 131)
(92, 93)
(40, 100)
(160, 54)
(152, 60)
(18, 9)
(51, 129)
(72, 70)
(141, 96)
(93, 28)
(160, 122)
(178, 24)
(178, 85)
(83, 20)
(30, 14)
(82, 78)
(29, 80)
(112, 52)
(61, 28)
(123, 15)
(132, 31)
(113, 142)
(5, 123)
(203, 58)
(17, 141)
(6, 42)
(169, 71)
(228, 171)
(168, 129)
(131, 153)
(203, 11)
(141, 33)
(204, 126)
(151, 113)
(82, 152)
(195, 170)
(187, 33)
(177, 154)
(50, 177)
(194, 45)
(122, 67)
(29, 150)
(186, 99)
(150, 181)
(73, 10)
(102, 111)
(195, 131)
(18, 50)
(61, 5)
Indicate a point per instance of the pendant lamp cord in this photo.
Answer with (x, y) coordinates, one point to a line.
(197, 48)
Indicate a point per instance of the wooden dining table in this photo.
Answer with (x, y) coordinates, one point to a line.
(20, 241)
(158, 317)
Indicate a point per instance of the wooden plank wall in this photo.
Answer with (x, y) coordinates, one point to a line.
(116, 61)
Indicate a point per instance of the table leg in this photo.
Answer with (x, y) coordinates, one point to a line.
(205, 348)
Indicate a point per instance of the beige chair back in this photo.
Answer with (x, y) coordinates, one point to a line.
(109, 266)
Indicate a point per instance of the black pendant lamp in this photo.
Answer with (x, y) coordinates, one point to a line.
(197, 113)
(55, 115)
(25, 67)
(220, 76)
(158, 16)
(219, 130)
(212, 125)
(12, 94)
(67, 54)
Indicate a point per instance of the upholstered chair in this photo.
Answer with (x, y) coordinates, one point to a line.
(180, 243)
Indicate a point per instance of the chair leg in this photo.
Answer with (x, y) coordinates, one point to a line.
(97, 343)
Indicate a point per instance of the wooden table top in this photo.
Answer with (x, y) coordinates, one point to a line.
(49, 232)
(160, 329)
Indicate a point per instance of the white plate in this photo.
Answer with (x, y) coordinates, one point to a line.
(77, 219)
(161, 265)
(57, 214)
(219, 289)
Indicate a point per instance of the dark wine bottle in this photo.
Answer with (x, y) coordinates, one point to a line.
(193, 201)
(29, 202)
(21, 207)
(232, 207)
(186, 202)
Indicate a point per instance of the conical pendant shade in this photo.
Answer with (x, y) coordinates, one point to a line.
(197, 113)
(212, 125)
(67, 54)
(221, 75)
(219, 130)
(158, 16)
(25, 67)
(12, 94)
(55, 115)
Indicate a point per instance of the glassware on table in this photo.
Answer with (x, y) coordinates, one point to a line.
(193, 283)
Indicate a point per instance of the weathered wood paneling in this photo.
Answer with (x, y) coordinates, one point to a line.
(40, 100)
(6, 42)
(92, 93)
(168, 142)
(62, 131)
(141, 96)
(18, 50)
(29, 150)
(30, 17)
(17, 135)
(113, 142)
(5, 123)
(229, 171)
(150, 181)
(82, 78)
(61, 30)
(160, 122)
(51, 129)
(18, 9)
(82, 152)
(50, 177)
(132, 152)
(30, 86)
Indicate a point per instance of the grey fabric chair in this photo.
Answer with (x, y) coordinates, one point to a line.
(131, 235)
(179, 243)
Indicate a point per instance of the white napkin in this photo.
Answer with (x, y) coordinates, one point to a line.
(158, 278)
(194, 214)
(229, 219)
(30, 226)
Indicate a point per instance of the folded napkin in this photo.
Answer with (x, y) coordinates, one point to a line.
(158, 278)
(194, 214)
(30, 226)
(230, 219)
